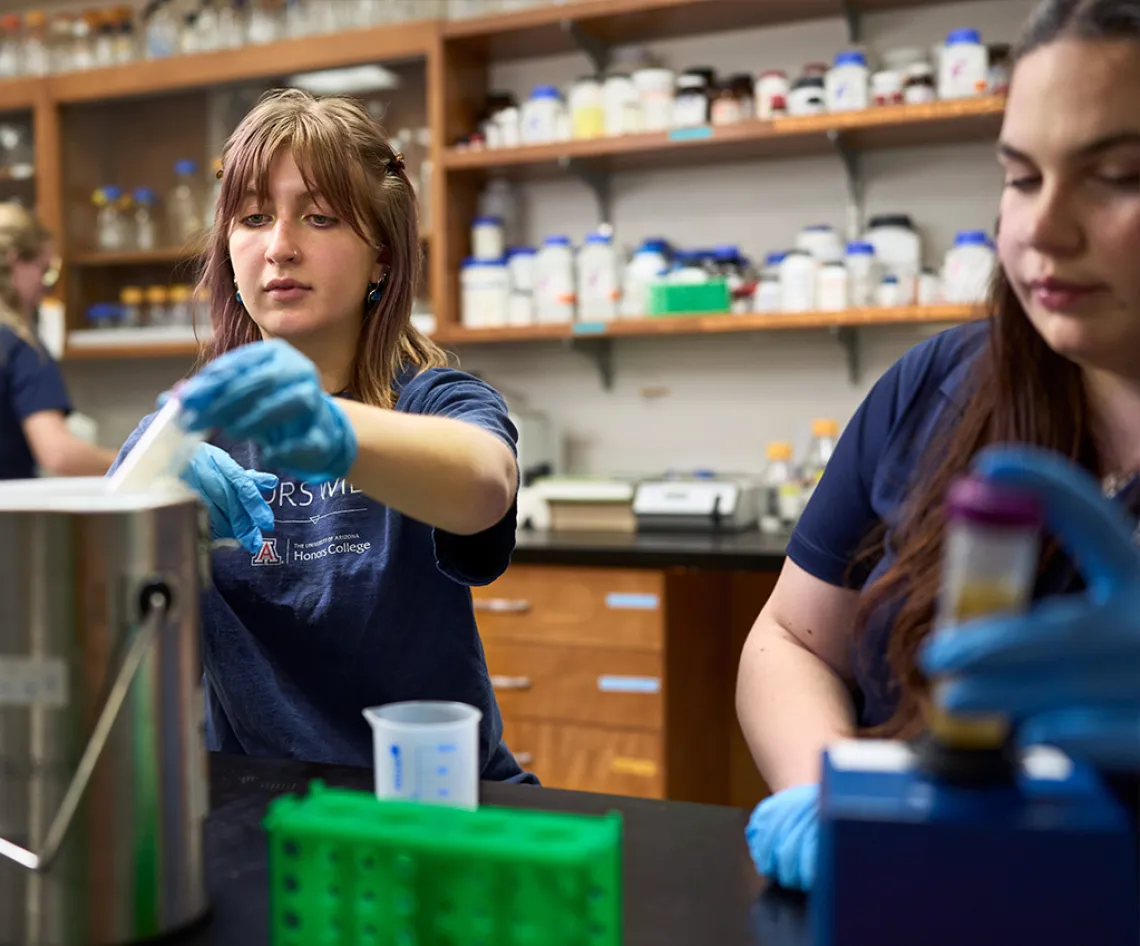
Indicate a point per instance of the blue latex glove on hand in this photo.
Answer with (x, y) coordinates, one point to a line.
(233, 496)
(269, 393)
(1068, 670)
(783, 836)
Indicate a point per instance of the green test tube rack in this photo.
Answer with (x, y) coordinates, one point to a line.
(349, 869)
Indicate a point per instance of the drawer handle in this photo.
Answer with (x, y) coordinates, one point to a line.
(524, 758)
(502, 605)
(510, 683)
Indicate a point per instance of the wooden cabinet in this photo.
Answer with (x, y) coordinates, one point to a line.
(613, 680)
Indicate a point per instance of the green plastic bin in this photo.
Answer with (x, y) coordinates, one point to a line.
(689, 299)
(347, 869)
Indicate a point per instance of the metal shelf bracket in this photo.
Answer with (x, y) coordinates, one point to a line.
(598, 182)
(593, 47)
(856, 190)
(854, 22)
(601, 352)
(848, 338)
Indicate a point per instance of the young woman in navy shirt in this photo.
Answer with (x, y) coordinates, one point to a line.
(388, 478)
(33, 399)
(841, 648)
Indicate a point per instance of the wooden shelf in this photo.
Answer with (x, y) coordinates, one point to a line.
(390, 43)
(19, 93)
(186, 349)
(902, 126)
(540, 30)
(711, 324)
(161, 257)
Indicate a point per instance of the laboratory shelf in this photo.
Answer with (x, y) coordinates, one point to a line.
(902, 126)
(391, 43)
(556, 28)
(674, 325)
(144, 342)
(160, 257)
(18, 94)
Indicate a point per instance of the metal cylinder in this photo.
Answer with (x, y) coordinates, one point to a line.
(102, 763)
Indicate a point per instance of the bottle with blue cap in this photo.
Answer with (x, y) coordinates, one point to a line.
(969, 268)
(184, 205)
(862, 274)
(543, 116)
(145, 224)
(964, 66)
(597, 279)
(649, 264)
(848, 83)
(110, 224)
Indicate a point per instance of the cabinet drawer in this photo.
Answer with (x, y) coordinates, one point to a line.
(587, 759)
(591, 685)
(603, 606)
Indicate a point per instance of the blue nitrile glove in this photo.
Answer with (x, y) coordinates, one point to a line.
(232, 495)
(783, 836)
(1068, 670)
(269, 393)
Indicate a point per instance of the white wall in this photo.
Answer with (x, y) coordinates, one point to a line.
(711, 401)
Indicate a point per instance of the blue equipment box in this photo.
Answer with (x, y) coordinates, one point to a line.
(904, 860)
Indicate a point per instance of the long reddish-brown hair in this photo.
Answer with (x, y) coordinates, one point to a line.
(343, 155)
(1020, 391)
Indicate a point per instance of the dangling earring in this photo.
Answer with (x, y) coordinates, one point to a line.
(237, 295)
(376, 290)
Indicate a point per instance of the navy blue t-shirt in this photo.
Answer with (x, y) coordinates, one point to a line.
(350, 604)
(867, 480)
(30, 382)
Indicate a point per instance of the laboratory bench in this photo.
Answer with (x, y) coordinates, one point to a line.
(688, 880)
(614, 659)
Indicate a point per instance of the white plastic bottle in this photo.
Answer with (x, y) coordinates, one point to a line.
(964, 68)
(862, 274)
(184, 205)
(650, 263)
(799, 277)
(597, 279)
(969, 268)
(848, 83)
(555, 295)
(542, 115)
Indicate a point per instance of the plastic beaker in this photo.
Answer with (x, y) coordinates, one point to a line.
(427, 751)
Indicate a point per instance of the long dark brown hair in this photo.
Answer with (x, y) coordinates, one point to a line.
(1020, 391)
(343, 155)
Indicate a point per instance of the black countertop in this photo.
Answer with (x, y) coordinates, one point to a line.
(752, 550)
(688, 880)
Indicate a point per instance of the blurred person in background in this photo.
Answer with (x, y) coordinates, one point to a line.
(391, 477)
(1044, 396)
(33, 399)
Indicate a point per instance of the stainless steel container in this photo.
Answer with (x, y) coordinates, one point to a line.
(102, 764)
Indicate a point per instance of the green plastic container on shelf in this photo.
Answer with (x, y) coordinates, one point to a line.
(348, 869)
(689, 298)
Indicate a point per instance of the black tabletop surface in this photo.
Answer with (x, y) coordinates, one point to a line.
(751, 550)
(688, 878)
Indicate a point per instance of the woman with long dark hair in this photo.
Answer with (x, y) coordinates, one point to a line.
(842, 648)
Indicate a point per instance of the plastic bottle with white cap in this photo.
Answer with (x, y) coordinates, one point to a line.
(554, 289)
(597, 279)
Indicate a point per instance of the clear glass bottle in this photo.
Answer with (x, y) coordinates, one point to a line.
(126, 40)
(824, 433)
(263, 22)
(83, 29)
(231, 24)
(297, 22)
(157, 311)
(131, 306)
(36, 59)
(146, 224)
(781, 491)
(110, 227)
(60, 43)
(208, 27)
(11, 39)
(162, 30)
(103, 37)
(184, 205)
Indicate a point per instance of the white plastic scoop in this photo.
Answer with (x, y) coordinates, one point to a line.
(161, 453)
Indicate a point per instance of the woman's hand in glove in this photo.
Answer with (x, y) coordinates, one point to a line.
(1067, 671)
(233, 496)
(269, 393)
(783, 836)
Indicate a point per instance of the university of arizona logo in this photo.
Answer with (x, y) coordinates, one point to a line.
(268, 554)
